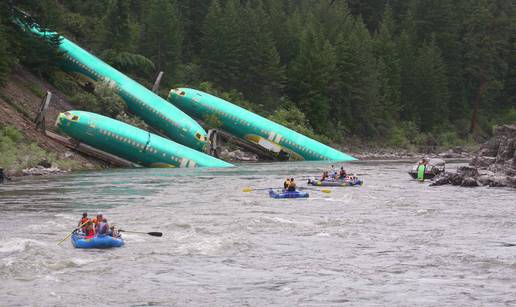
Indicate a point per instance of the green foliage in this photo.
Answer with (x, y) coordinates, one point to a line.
(104, 101)
(312, 75)
(128, 62)
(290, 116)
(132, 120)
(16, 153)
(5, 58)
(212, 121)
(233, 96)
(65, 83)
(162, 38)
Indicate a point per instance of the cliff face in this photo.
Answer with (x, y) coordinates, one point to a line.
(494, 164)
(498, 155)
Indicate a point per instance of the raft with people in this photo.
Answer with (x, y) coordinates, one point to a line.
(287, 194)
(332, 178)
(79, 240)
(347, 182)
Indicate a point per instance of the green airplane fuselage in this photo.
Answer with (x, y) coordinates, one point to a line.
(131, 143)
(154, 110)
(253, 127)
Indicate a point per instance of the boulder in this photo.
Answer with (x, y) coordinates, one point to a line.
(467, 171)
(469, 182)
(41, 171)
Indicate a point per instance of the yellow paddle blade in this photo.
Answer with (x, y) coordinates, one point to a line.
(247, 189)
(325, 191)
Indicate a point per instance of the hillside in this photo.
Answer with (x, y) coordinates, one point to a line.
(20, 100)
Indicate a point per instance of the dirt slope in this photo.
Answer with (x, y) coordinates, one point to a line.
(20, 99)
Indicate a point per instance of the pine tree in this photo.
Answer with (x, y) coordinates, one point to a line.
(5, 57)
(118, 34)
(356, 105)
(220, 54)
(407, 50)
(163, 36)
(262, 76)
(431, 84)
(389, 70)
(486, 41)
(311, 76)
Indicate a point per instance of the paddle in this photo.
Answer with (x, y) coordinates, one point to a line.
(152, 233)
(315, 189)
(72, 232)
(249, 189)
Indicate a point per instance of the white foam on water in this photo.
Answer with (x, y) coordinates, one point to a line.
(17, 245)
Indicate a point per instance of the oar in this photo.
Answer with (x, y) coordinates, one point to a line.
(314, 189)
(152, 233)
(249, 189)
(71, 233)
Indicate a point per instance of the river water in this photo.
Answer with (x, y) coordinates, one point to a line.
(391, 242)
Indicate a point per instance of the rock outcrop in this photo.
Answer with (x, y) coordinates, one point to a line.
(494, 164)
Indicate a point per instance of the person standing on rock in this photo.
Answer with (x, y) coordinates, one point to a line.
(2, 177)
(421, 168)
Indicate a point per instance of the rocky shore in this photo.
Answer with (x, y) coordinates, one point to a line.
(494, 164)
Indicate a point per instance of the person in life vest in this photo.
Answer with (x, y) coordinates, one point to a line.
(324, 176)
(103, 228)
(291, 185)
(90, 230)
(97, 220)
(286, 184)
(342, 173)
(84, 220)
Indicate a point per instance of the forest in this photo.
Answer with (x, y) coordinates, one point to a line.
(392, 72)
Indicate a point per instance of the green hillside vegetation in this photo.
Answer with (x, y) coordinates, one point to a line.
(406, 73)
(16, 153)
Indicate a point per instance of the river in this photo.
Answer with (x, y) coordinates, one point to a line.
(391, 242)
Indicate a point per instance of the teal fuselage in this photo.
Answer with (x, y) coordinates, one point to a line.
(153, 109)
(131, 143)
(252, 127)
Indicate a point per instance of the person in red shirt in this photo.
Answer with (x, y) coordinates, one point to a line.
(84, 220)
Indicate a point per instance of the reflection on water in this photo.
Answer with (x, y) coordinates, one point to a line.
(392, 241)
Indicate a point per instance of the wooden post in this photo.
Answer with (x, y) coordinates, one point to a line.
(155, 87)
(40, 118)
(213, 143)
(2, 176)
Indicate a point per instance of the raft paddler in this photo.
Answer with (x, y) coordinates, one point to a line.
(84, 220)
(292, 185)
(286, 184)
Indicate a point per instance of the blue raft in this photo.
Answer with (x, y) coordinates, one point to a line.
(336, 183)
(100, 241)
(288, 194)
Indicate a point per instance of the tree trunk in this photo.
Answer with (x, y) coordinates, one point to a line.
(476, 105)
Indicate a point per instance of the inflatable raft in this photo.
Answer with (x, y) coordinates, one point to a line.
(288, 194)
(100, 241)
(336, 183)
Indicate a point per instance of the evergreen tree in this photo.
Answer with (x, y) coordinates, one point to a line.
(118, 34)
(389, 70)
(311, 77)
(431, 84)
(163, 36)
(485, 44)
(356, 106)
(371, 12)
(262, 76)
(220, 54)
(407, 50)
(5, 57)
